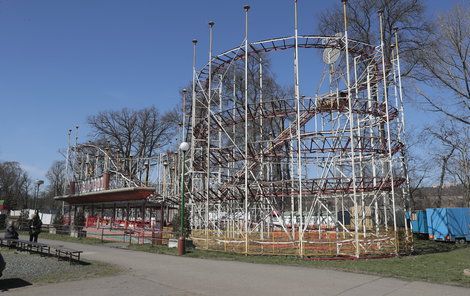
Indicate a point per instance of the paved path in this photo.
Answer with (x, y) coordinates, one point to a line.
(151, 274)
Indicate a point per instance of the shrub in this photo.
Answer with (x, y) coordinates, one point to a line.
(176, 223)
(58, 220)
(79, 220)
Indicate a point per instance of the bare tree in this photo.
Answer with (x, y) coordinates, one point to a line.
(450, 146)
(444, 64)
(56, 177)
(417, 167)
(406, 15)
(459, 165)
(134, 133)
(14, 185)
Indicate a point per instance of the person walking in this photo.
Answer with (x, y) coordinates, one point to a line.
(35, 225)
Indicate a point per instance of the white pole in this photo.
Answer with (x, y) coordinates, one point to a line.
(219, 177)
(193, 113)
(400, 90)
(390, 167)
(193, 124)
(372, 144)
(75, 158)
(209, 99)
(246, 8)
(402, 130)
(261, 140)
(297, 101)
(292, 202)
(183, 108)
(351, 127)
(67, 179)
(361, 168)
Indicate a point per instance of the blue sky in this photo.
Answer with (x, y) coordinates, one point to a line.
(61, 61)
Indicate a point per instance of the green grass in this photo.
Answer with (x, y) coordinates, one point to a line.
(431, 261)
(67, 238)
(156, 249)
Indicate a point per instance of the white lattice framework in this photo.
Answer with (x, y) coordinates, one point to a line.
(312, 174)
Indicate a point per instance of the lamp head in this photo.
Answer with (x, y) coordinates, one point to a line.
(184, 146)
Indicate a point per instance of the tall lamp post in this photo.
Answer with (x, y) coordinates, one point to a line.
(184, 147)
(38, 183)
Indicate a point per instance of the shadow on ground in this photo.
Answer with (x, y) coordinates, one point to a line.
(74, 262)
(8, 284)
(425, 246)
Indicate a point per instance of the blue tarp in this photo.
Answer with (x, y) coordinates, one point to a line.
(448, 223)
(418, 222)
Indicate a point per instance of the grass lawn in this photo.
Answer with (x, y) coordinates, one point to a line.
(66, 238)
(435, 262)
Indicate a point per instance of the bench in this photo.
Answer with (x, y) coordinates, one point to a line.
(25, 245)
(44, 249)
(40, 248)
(70, 254)
(8, 242)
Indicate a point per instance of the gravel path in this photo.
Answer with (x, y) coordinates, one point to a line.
(33, 267)
(24, 268)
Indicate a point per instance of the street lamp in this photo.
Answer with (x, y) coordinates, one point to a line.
(184, 147)
(165, 165)
(38, 183)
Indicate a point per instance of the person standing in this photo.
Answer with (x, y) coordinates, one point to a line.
(11, 234)
(35, 225)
